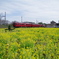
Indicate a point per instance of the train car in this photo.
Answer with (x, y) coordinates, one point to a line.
(17, 24)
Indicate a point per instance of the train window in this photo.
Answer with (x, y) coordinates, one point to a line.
(22, 24)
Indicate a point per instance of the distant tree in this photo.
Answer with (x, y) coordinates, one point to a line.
(41, 23)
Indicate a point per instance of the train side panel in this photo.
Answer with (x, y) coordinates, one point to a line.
(26, 25)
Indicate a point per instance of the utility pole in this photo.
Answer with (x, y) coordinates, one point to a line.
(1, 17)
(36, 21)
(21, 19)
(5, 15)
(58, 21)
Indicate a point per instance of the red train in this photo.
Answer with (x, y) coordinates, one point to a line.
(17, 24)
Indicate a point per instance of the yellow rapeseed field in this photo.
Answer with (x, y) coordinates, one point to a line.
(29, 43)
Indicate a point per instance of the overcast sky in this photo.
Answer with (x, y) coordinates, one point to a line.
(31, 10)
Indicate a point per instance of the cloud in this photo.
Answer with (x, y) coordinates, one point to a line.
(42, 10)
